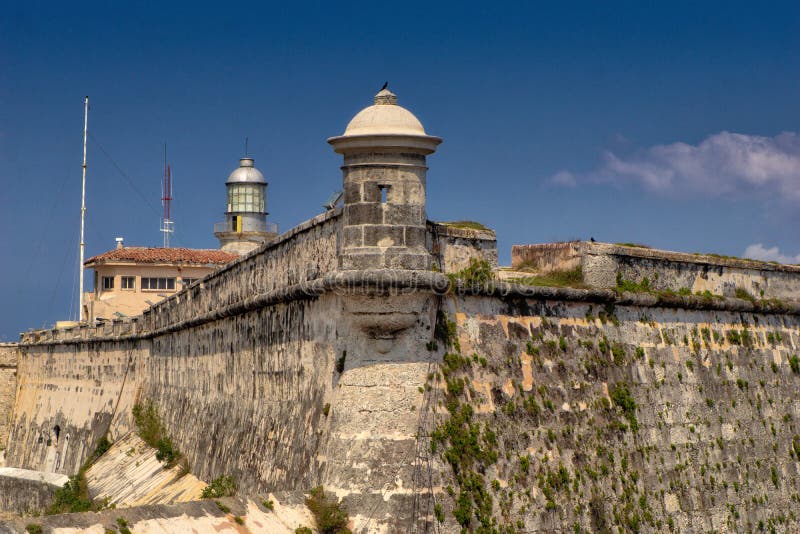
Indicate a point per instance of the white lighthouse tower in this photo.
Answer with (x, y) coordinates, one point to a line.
(245, 226)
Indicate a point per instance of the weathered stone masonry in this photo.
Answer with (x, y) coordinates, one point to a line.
(716, 400)
(337, 355)
(8, 385)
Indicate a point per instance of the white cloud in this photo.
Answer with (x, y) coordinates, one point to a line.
(723, 163)
(564, 179)
(760, 252)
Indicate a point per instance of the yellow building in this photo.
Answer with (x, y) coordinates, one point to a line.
(128, 280)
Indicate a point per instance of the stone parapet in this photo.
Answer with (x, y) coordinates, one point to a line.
(301, 254)
(546, 257)
(454, 246)
(390, 280)
(603, 264)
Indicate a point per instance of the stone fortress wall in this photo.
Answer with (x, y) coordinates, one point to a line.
(716, 408)
(8, 388)
(246, 394)
(428, 403)
(85, 380)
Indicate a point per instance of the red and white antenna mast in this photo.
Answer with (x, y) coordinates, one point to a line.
(167, 225)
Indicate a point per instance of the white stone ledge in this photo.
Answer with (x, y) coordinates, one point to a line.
(54, 479)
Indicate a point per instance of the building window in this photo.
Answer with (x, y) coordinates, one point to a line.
(186, 282)
(108, 283)
(128, 282)
(152, 284)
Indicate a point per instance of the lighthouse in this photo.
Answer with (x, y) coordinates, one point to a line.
(245, 226)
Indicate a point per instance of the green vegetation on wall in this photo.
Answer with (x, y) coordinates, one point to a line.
(580, 426)
(152, 431)
(74, 495)
(330, 516)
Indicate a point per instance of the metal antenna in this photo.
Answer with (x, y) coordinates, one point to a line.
(167, 226)
(245, 146)
(83, 207)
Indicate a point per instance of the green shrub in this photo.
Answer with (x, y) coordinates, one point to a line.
(152, 431)
(618, 353)
(438, 512)
(72, 498)
(621, 397)
(166, 451)
(734, 338)
(103, 444)
(794, 363)
(148, 423)
(340, 362)
(446, 331)
(477, 273)
(268, 504)
(741, 293)
(123, 526)
(33, 528)
(329, 516)
(222, 508)
(631, 286)
(303, 530)
(742, 384)
(222, 486)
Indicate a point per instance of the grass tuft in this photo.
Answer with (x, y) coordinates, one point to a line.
(469, 225)
(572, 278)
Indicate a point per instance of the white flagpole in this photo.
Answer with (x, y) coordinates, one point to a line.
(83, 207)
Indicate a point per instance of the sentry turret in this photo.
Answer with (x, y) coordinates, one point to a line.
(384, 148)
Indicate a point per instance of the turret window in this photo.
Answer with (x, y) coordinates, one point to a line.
(108, 283)
(128, 282)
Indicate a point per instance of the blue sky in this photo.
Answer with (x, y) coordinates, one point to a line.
(672, 124)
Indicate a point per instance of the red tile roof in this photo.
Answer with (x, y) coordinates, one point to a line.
(163, 255)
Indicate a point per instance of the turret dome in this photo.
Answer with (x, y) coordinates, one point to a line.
(246, 173)
(384, 117)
